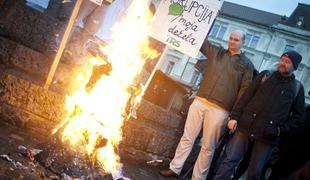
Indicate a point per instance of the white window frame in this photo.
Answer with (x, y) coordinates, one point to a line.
(288, 47)
(169, 67)
(217, 33)
(251, 40)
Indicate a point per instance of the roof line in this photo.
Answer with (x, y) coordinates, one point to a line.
(252, 8)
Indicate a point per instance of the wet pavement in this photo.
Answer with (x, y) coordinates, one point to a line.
(15, 165)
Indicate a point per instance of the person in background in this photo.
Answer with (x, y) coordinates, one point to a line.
(293, 150)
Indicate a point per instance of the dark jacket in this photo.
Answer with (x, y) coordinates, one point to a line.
(226, 77)
(270, 107)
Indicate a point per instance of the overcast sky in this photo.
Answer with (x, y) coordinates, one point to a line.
(281, 7)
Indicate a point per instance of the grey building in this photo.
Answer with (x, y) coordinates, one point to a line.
(268, 35)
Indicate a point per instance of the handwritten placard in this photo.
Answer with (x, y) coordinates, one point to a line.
(184, 24)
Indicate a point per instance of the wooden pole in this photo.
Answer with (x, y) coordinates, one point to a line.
(62, 44)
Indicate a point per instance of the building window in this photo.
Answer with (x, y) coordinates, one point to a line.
(169, 67)
(249, 55)
(251, 40)
(188, 72)
(300, 21)
(218, 31)
(195, 77)
(288, 47)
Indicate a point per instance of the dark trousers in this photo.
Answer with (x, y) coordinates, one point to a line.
(234, 152)
(217, 155)
(243, 165)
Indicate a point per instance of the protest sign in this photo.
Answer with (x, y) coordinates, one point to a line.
(184, 24)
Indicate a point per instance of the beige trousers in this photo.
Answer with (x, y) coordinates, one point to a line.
(213, 119)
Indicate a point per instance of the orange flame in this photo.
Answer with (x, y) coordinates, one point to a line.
(99, 114)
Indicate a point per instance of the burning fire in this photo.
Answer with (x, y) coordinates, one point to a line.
(95, 117)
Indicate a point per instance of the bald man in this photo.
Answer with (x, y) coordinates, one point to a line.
(228, 74)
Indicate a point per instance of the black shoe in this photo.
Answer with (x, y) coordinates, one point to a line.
(168, 173)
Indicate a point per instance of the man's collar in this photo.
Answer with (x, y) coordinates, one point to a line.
(236, 54)
(286, 78)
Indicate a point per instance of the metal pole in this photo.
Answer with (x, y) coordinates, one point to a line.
(62, 44)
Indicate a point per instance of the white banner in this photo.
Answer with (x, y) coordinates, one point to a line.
(184, 24)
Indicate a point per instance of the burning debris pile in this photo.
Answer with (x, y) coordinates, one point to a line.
(85, 145)
(62, 159)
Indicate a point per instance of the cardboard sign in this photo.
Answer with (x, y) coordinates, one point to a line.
(184, 24)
